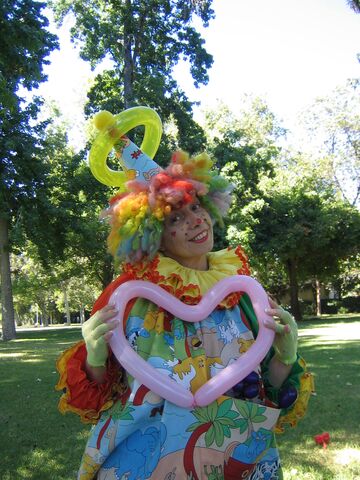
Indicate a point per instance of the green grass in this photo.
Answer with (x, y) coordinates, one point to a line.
(331, 349)
(38, 443)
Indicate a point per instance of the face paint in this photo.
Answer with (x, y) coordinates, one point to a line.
(180, 239)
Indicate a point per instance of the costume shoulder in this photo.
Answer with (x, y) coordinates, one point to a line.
(104, 297)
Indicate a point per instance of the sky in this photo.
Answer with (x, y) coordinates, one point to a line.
(289, 52)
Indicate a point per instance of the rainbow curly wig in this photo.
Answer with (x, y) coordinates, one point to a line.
(136, 216)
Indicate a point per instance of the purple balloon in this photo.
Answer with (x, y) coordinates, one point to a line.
(287, 397)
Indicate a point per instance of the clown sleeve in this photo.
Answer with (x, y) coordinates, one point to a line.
(299, 379)
(82, 396)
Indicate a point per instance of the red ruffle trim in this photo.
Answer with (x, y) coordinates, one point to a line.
(87, 398)
(245, 269)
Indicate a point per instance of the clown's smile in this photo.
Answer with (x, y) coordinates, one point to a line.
(200, 237)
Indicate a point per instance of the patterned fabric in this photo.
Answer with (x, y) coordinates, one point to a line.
(142, 436)
(147, 437)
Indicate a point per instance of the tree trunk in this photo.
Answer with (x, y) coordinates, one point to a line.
(294, 289)
(45, 319)
(7, 306)
(128, 62)
(67, 310)
(107, 274)
(82, 314)
(318, 297)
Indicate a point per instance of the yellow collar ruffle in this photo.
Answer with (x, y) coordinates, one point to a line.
(189, 285)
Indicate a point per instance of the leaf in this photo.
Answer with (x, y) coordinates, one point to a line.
(259, 418)
(224, 407)
(212, 411)
(243, 409)
(253, 408)
(227, 431)
(226, 421)
(209, 436)
(232, 414)
(219, 434)
(201, 414)
(193, 426)
(241, 424)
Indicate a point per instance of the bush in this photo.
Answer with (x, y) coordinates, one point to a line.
(307, 308)
(346, 305)
(352, 304)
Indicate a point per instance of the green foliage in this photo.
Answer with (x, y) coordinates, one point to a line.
(244, 147)
(41, 292)
(25, 42)
(288, 213)
(144, 41)
(333, 125)
(25, 45)
(304, 220)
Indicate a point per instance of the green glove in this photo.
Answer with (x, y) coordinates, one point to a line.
(286, 334)
(96, 332)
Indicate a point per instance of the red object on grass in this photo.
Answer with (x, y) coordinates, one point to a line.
(322, 439)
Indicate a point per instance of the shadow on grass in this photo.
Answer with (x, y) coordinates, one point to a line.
(41, 443)
(44, 445)
(334, 409)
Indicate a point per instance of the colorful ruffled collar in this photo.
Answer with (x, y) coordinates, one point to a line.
(190, 285)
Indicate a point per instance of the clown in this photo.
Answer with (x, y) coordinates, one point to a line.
(162, 232)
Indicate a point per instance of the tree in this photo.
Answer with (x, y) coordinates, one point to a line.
(215, 422)
(288, 212)
(244, 146)
(26, 43)
(333, 124)
(308, 229)
(46, 293)
(144, 41)
(355, 5)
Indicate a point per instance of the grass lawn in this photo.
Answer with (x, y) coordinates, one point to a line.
(38, 443)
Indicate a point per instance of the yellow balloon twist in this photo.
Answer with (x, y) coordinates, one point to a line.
(111, 128)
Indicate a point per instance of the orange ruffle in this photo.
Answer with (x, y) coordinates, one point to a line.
(83, 397)
(177, 284)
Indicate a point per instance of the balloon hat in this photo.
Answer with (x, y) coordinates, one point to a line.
(136, 162)
(148, 192)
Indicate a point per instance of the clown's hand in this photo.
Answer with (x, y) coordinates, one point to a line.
(96, 332)
(286, 333)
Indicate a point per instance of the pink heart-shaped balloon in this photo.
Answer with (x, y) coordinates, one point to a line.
(165, 386)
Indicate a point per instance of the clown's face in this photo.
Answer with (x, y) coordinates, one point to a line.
(188, 236)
